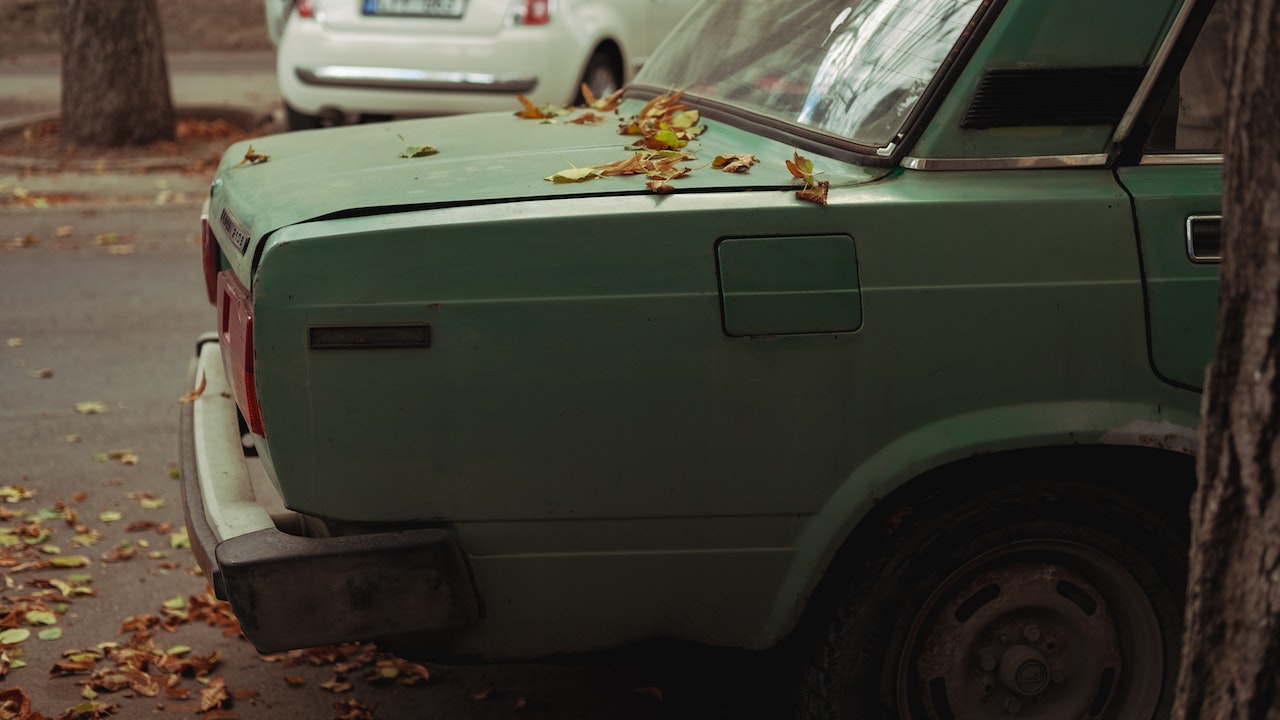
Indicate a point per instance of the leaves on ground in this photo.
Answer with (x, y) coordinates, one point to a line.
(91, 407)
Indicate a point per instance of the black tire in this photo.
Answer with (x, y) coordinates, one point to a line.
(1061, 600)
(602, 74)
(297, 120)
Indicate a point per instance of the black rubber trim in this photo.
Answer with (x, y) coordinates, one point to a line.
(289, 591)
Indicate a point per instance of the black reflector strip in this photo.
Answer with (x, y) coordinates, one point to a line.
(370, 336)
(1019, 97)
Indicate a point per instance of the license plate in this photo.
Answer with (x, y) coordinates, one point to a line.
(415, 8)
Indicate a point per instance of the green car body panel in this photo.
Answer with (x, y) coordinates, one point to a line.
(644, 415)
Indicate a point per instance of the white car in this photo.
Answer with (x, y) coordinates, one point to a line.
(370, 59)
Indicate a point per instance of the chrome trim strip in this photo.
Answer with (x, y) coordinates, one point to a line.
(1153, 71)
(1006, 163)
(1191, 250)
(1182, 159)
(404, 79)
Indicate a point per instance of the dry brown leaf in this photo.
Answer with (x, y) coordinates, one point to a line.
(735, 163)
(214, 695)
(588, 118)
(816, 194)
(252, 158)
(191, 396)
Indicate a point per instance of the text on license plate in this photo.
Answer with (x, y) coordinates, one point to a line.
(419, 8)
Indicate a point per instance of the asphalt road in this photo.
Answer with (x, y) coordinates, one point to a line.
(101, 304)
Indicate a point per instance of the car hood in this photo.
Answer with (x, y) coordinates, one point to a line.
(481, 159)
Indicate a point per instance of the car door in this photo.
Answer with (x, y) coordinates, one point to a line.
(1176, 186)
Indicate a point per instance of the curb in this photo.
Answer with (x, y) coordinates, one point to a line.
(243, 118)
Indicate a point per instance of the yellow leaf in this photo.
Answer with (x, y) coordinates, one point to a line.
(574, 175)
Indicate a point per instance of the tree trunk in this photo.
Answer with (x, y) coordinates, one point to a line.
(115, 83)
(1231, 650)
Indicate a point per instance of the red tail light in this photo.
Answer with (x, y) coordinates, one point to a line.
(235, 335)
(306, 8)
(209, 257)
(532, 12)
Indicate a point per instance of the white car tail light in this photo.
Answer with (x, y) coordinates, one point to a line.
(532, 12)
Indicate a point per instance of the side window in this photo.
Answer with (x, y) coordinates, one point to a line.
(1191, 121)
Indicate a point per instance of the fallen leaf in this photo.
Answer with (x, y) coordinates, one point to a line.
(214, 695)
(40, 374)
(336, 685)
(64, 231)
(68, 561)
(588, 118)
(191, 396)
(352, 709)
(530, 111)
(13, 636)
(604, 104)
(15, 704)
(53, 633)
(737, 163)
(90, 408)
(15, 342)
(252, 158)
(573, 175)
(40, 617)
(816, 194)
(416, 151)
(110, 516)
(24, 241)
(14, 493)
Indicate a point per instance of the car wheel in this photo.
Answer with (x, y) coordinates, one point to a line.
(602, 76)
(1055, 602)
(298, 120)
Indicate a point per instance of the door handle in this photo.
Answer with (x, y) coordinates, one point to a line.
(1204, 238)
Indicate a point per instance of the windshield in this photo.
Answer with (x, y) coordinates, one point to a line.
(850, 68)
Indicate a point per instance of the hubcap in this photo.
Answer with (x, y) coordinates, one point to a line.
(1045, 630)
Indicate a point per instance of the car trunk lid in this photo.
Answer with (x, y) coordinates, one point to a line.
(481, 159)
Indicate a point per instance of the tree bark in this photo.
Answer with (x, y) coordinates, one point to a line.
(1231, 649)
(115, 81)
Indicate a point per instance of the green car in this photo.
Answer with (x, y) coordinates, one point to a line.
(867, 328)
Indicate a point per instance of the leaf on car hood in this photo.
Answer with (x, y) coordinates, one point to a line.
(530, 111)
(416, 151)
(735, 163)
(252, 158)
(604, 104)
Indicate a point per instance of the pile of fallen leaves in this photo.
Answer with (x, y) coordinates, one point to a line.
(141, 666)
(664, 127)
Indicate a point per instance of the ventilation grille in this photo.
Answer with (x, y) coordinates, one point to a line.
(1052, 96)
